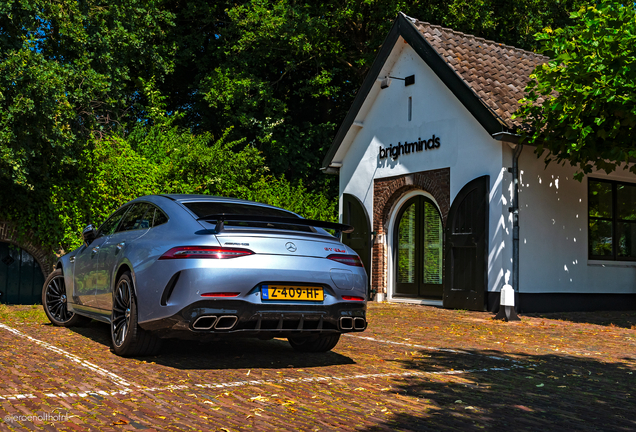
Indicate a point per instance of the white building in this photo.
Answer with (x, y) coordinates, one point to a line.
(427, 159)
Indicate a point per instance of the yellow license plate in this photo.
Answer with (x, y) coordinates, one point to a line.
(291, 292)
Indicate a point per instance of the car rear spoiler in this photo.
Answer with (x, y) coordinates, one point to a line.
(220, 219)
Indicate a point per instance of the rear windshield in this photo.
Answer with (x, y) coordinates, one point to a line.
(206, 208)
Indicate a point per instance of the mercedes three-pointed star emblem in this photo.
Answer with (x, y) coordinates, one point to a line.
(290, 246)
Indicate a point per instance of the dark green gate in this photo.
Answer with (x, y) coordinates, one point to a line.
(21, 277)
(359, 240)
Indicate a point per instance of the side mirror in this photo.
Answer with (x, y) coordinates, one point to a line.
(89, 234)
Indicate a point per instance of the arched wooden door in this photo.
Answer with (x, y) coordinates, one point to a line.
(418, 250)
(467, 247)
(359, 240)
(21, 277)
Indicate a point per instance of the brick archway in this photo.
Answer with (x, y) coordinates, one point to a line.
(9, 234)
(386, 192)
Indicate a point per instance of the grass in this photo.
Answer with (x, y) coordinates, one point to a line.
(22, 313)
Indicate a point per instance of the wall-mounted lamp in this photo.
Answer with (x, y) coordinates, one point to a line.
(386, 81)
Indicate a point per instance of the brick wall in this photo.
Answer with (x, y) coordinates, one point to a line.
(386, 192)
(8, 234)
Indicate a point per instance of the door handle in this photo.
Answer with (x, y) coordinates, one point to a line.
(121, 245)
(95, 250)
(72, 259)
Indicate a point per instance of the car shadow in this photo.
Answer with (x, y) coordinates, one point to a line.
(242, 353)
(236, 353)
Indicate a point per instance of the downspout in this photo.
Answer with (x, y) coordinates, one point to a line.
(514, 209)
(509, 303)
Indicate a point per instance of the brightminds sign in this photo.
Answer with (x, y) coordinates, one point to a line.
(408, 147)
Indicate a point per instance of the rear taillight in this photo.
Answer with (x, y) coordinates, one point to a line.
(352, 298)
(352, 260)
(204, 252)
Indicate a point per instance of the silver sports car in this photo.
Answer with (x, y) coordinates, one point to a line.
(195, 266)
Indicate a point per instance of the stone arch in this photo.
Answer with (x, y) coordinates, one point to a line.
(386, 192)
(9, 234)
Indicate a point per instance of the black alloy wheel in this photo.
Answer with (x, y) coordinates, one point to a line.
(122, 302)
(127, 337)
(55, 302)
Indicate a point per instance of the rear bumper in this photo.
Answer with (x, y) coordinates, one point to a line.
(259, 320)
(160, 297)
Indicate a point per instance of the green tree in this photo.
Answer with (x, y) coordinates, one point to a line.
(283, 73)
(286, 75)
(101, 102)
(154, 156)
(510, 22)
(163, 158)
(69, 70)
(581, 105)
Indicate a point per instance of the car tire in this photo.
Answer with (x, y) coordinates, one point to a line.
(55, 305)
(322, 343)
(128, 339)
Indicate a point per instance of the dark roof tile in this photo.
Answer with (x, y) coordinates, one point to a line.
(497, 73)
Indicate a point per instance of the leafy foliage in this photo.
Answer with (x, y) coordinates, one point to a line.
(285, 78)
(581, 106)
(68, 70)
(167, 159)
(102, 102)
(511, 22)
(283, 73)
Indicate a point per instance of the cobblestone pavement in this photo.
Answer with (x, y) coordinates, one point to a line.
(415, 368)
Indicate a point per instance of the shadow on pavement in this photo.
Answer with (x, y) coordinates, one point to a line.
(237, 353)
(549, 392)
(624, 319)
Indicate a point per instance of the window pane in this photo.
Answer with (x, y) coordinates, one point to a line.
(600, 199)
(139, 217)
(406, 246)
(626, 201)
(600, 238)
(432, 245)
(627, 240)
(109, 226)
(205, 208)
(160, 218)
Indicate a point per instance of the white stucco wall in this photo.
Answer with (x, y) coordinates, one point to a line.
(553, 206)
(553, 236)
(465, 147)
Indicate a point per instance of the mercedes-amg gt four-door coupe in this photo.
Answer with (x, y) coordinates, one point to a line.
(202, 267)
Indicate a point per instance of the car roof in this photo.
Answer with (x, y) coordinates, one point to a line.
(211, 198)
(182, 198)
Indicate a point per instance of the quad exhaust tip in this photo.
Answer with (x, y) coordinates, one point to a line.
(346, 323)
(208, 322)
(226, 322)
(353, 323)
(205, 322)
